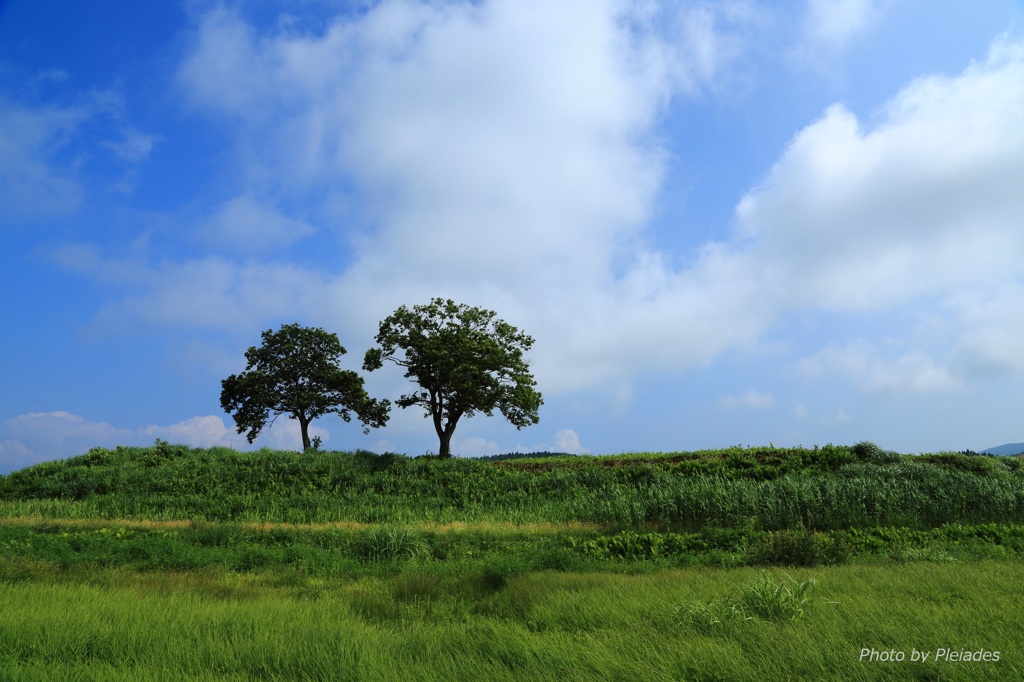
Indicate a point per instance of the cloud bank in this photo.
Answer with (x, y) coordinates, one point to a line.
(507, 154)
(508, 162)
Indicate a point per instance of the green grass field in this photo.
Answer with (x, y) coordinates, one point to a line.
(120, 625)
(172, 563)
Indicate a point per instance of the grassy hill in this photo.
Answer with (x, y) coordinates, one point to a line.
(827, 488)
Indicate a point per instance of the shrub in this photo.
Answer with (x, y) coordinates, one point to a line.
(95, 457)
(498, 571)
(797, 548)
(635, 546)
(777, 603)
(871, 453)
(211, 534)
(763, 599)
(555, 559)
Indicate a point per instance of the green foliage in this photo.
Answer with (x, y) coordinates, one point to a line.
(759, 463)
(779, 602)
(295, 372)
(798, 548)
(633, 546)
(867, 451)
(463, 360)
(488, 553)
(99, 456)
(983, 465)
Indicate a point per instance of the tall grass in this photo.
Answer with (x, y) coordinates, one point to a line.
(540, 626)
(821, 489)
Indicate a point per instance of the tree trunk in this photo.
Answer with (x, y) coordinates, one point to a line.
(446, 435)
(444, 431)
(304, 426)
(445, 450)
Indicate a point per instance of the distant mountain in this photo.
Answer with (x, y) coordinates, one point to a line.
(1008, 449)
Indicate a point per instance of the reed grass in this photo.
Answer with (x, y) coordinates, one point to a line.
(822, 489)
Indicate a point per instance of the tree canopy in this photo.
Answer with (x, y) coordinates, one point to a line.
(295, 372)
(463, 359)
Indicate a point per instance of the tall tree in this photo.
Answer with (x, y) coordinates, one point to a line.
(295, 372)
(464, 361)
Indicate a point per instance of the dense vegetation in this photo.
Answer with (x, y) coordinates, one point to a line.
(828, 488)
(173, 562)
(330, 513)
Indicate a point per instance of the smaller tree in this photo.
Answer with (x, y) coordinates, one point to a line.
(296, 372)
(464, 360)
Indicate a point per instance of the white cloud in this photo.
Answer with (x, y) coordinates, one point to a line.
(749, 398)
(40, 436)
(564, 440)
(567, 440)
(247, 224)
(15, 455)
(210, 431)
(204, 432)
(133, 146)
(992, 340)
(506, 161)
(924, 203)
(832, 24)
(210, 292)
(909, 372)
(705, 40)
(473, 447)
(922, 208)
(61, 434)
(382, 446)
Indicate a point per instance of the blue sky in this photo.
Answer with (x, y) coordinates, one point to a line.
(724, 223)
